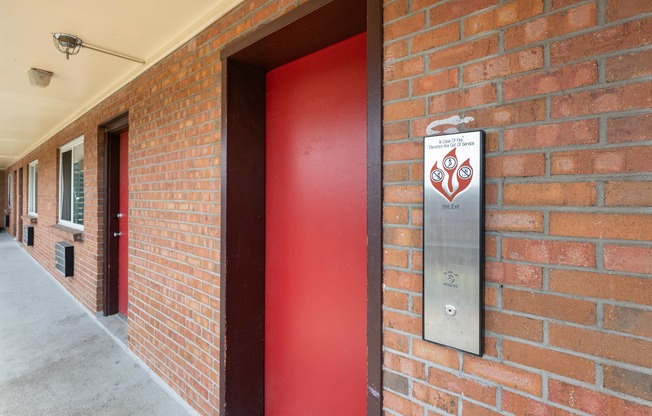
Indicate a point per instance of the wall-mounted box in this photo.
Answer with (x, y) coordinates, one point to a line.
(28, 235)
(6, 220)
(453, 240)
(65, 258)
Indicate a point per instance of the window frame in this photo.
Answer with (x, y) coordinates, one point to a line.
(32, 188)
(63, 149)
(10, 178)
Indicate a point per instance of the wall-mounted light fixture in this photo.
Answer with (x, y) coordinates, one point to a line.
(39, 77)
(71, 44)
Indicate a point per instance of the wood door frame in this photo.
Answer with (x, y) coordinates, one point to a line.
(111, 133)
(306, 29)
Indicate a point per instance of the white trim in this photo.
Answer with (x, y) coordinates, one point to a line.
(71, 144)
(32, 192)
(62, 149)
(70, 224)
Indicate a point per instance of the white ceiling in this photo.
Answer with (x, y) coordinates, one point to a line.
(145, 29)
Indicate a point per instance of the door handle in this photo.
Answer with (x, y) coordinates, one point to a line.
(118, 234)
(119, 215)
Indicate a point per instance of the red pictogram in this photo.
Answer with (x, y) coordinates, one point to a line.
(442, 178)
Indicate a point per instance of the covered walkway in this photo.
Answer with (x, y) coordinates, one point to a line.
(56, 359)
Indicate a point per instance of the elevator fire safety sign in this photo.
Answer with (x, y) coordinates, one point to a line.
(453, 240)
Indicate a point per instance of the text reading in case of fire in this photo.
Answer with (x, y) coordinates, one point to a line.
(451, 142)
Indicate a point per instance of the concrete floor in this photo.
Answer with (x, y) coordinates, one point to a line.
(57, 360)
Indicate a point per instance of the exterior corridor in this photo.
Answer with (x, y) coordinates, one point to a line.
(55, 360)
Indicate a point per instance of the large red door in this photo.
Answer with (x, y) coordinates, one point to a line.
(123, 228)
(316, 255)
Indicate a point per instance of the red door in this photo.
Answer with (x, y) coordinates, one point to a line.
(316, 255)
(123, 227)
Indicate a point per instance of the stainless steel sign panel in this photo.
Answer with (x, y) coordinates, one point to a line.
(453, 240)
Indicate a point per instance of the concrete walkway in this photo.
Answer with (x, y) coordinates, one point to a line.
(56, 359)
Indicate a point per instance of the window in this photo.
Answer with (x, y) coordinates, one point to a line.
(9, 178)
(32, 199)
(71, 183)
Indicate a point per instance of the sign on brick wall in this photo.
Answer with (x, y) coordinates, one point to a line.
(453, 236)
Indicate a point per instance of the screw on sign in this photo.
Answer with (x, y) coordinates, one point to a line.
(464, 175)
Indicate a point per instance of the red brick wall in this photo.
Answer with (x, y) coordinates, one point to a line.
(86, 284)
(563, 90)
(560, 87)
(174, 223)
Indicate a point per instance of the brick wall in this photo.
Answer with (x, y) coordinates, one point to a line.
(562, 88)
(174, 217)
(174, 223)
(86, 284)
(564, 92)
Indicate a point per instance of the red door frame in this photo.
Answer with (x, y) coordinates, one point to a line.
(308, 28)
